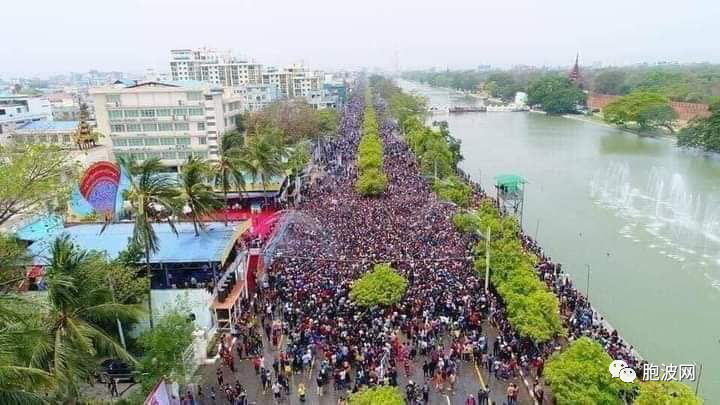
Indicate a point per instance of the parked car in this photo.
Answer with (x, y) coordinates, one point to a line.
(115, 368)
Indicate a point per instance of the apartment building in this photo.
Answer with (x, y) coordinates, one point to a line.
(257, 96)
(220, 68)
(166, 120)
(19, 109)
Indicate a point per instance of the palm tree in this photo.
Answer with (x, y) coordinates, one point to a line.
(263, 154)
(72, 317)
(228, 174)
(196, 192)
(152, 195)
(20, 382)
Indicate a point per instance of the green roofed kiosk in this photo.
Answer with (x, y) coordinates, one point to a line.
(510, 190)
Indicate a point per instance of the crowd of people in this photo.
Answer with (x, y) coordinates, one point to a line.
(437, 325)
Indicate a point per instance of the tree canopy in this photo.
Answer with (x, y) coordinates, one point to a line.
(295, 119)
(556, 94)
(703, 133)
(579, 375)
(645, 109)
(381, 286)
(453, 189)
(666, 393)
(34, 178)
(164, 346)
(380, 395)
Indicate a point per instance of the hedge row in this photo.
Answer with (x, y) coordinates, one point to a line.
(532, 309)
(371, 180)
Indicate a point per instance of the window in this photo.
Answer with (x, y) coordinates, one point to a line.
(66, 138)
(201, 126)
(211, 124)
(42, 138)
(183, 155)
(195, 111)
(180, 111)
(163, 112)
(182, 126)
(53, 139)
(117, 128)
(194, 96)
(169, 155)
(138, 155)
(152, 155)
(165, 126)
(167, 141)
(203, 140)
(183, 141)
(208, 97)
(136, 142)
(150, 127)
(119, 142)
(133, 128)
(147, 113)
(131, 113)
(151, 141)
(201, 154)
(115, 114)
(113, 98)
(121, 155)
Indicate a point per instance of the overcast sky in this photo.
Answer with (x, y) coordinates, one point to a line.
(58, 36)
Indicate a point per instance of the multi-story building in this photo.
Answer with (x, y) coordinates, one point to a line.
(19, 109)
(220, 68)
(65, 106)
(57, 133)
(166, 120)
(257, 96)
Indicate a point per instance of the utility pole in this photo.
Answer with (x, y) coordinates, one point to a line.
(119, 324)
(487, 259)
(537, 229)
(697, 385)
(587, 288)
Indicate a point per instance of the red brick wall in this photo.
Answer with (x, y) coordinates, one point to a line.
(686, 111)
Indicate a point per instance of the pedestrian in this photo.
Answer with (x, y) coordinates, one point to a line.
(471, 400)
(301, 392)
(113, 388)
(483, 396)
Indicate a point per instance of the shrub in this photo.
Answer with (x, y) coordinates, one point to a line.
(378, 396)
(381, 286)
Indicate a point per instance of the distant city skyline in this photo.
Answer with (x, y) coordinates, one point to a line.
(79, 35)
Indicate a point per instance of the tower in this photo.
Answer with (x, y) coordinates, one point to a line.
(574, 75)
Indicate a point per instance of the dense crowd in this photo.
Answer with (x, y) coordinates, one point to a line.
(438, 323)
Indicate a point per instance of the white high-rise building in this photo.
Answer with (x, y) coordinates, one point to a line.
(216, 67)
(165, 120)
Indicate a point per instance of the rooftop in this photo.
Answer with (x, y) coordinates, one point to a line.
(213, 244)
(48, 126)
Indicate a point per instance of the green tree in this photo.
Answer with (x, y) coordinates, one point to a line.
(14, 260)
(163, 348)
(263, 156)
(703, 133)
(666, 393)
(502, 85)
(579, 375)
(453, 189)
(227, 168)
(196, 193)
(556, 94)
(380, 395)
(153, 197)
(381, 286)
(645, 109)
(34, 178)
(72, 316)
(609, 82)
(328, 120)
(20, 334)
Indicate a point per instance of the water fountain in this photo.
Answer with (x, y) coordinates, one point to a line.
(682, 223)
